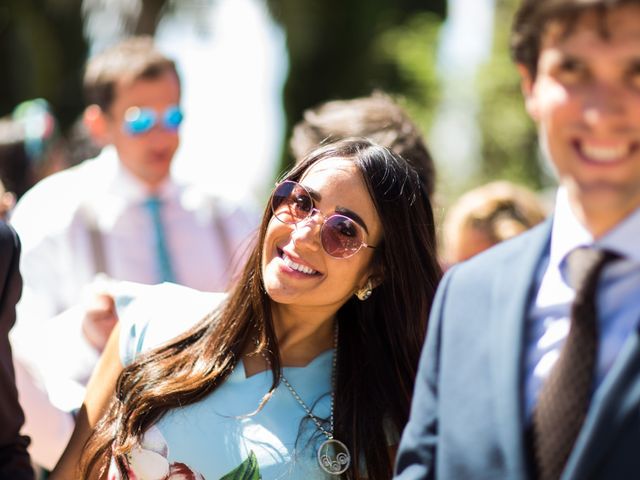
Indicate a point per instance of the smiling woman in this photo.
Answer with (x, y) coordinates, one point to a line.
(315, 259)
(306, 368)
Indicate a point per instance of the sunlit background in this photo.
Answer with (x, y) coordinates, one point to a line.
(250, 67)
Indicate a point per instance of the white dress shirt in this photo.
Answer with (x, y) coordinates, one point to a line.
(58, 264)
(618, 296)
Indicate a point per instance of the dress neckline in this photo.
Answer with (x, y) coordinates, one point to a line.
(239, 372)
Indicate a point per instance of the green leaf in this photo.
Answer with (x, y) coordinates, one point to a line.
(247, 470)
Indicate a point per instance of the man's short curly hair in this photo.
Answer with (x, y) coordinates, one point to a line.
(132, 59)
(533, 16)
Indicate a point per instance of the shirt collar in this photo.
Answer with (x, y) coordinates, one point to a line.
(568, 233)
(126, 185)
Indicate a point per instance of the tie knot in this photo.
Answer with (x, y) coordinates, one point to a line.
(585, 264)
(153, 203)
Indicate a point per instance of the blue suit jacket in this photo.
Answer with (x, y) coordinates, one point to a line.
(467, 418)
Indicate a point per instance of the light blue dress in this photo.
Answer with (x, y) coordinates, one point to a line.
(221, 436)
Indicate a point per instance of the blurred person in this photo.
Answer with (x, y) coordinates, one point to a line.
(376, 117)
(30, 149)
(487, 215)
(30, 146)
(7, 202)
(14, 459)
(531, 367)
(119, 216)
(45, 146)
(305, 369)
(16, 170)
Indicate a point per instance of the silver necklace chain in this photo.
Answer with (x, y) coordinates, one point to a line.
(333, 455)
(334, 364)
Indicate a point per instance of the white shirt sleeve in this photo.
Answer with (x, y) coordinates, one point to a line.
(47, 336)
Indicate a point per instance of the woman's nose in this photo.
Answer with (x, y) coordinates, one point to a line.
(307, 232)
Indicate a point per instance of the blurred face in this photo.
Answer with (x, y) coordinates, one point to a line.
(586, 101)
(147, 155)
(296, 269)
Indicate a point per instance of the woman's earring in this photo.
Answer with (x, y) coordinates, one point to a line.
(365, 292)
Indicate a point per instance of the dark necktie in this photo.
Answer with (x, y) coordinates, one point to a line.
(163, 262)
(565, 396)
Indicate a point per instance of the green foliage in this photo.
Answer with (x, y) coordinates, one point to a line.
(411, 49)
(509, 148)
(342, 50)
(42, 51)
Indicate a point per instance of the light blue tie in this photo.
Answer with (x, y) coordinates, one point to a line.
(163, 262)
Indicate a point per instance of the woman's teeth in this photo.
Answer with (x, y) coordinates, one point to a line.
(296, 266)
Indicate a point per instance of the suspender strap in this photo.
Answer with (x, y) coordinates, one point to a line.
(96, 243)
(222, 233)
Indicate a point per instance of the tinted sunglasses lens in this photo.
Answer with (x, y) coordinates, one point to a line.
(291, 203)
(139, 120)
(173, 118)
(341, 236)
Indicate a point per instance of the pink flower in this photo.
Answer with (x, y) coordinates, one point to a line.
(180, 471)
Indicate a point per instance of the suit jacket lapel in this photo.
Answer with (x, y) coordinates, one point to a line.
(608, 413)
(512, 291)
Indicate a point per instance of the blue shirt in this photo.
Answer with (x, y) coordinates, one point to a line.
(618, 296)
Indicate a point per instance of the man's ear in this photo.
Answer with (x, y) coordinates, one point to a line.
(527, 81)
(96, 123)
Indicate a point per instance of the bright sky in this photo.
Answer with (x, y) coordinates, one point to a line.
(465, 43)
(233, 72)
(466, 36)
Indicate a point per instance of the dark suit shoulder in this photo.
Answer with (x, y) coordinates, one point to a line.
(9, 250)
(477, 315)
(8, 237)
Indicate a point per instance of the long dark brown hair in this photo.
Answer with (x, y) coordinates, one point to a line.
(379, 344)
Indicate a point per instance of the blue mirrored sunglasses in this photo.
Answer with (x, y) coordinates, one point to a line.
(139, 120)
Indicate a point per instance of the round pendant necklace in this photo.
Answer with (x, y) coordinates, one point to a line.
(333, 455)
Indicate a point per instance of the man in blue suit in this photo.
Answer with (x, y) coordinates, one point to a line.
(505, 323)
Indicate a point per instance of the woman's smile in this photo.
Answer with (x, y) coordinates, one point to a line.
(297, 270)
(296, 265)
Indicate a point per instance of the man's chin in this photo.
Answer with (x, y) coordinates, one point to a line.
(154, 179)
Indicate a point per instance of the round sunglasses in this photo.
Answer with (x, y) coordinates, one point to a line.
(139, 120)
(341, 236)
